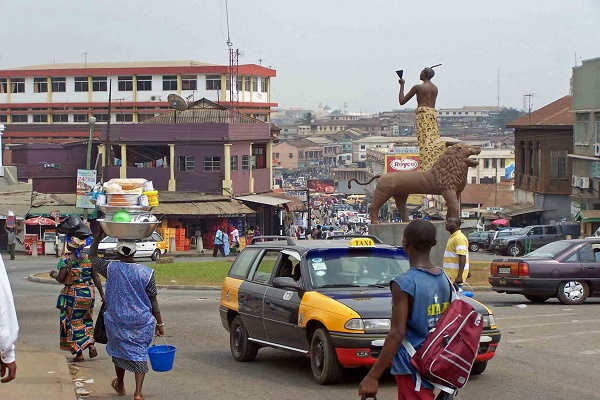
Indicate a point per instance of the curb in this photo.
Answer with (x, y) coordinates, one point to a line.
(37, 279)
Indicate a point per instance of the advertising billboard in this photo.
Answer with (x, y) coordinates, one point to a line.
(86, 179)
(321, 185)
(404, 159)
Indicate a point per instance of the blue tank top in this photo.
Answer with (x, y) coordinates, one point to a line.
(431, 296)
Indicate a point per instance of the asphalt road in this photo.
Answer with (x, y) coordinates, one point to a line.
(548, 351)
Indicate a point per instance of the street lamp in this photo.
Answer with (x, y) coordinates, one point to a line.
(89, 144)
(2, 127)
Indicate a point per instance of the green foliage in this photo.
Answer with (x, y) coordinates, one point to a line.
(506, 116)
(306, 119)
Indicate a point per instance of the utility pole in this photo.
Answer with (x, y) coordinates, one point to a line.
(88, 160)
(496, 186)
(107, 141)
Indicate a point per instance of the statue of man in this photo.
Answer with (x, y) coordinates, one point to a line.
(428, 134)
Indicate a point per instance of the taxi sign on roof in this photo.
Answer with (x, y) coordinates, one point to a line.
(362, 242)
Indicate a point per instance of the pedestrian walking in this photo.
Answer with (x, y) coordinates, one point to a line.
(291, 231)
(419, 297)
(219, 242)
(132, 315)
(456, 256)
(226, 249)
(9, 328)
(12, 236)
(235, 237)
(77, 298)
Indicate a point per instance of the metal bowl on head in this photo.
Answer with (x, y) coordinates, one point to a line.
(128, 230)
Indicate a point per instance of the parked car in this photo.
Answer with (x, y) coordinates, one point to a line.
(328, 300)
(153, 246)
(566, 269)
(478, 240)
(531, 238)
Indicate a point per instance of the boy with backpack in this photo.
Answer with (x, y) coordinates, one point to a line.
(419, 297)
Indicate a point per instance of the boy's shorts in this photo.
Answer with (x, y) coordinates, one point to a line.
(406, 389)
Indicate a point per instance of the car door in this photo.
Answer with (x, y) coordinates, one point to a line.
(251, 294)
(143, 248)
(281, 309)
(536, 236)
(589, 256)
(551, 234)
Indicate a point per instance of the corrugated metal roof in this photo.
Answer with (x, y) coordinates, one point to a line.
(556, 113)
(203, 111)
(262, 199)
(203, 208)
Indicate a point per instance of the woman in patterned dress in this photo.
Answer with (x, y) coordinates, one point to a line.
(76, 299)
(132, 316)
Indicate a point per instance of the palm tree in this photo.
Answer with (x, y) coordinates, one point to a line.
(306, 119)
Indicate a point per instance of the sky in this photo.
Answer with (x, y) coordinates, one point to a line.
(328, 51)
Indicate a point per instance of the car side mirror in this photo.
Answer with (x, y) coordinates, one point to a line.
(285, 282)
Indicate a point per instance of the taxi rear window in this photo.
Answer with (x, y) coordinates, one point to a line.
(355, 267)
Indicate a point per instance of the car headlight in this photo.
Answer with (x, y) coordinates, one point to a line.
(369, 325)
(489, 322)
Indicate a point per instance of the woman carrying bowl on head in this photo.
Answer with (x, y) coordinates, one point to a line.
(132, 316)
(76, 299)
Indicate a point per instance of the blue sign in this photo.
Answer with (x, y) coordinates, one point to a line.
(509, 172)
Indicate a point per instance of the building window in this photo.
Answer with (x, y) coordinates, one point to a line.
(189, 82)
(238, 83)
(40, 85)
(59, 85)
(502, 163)
(40, 118)
(101, 117)
(17, 85)
(245, 162)
(19, 118)
(60, 118)
(99, 84)
(81, 84)
(212, 163)
(558, 167)
(3, 118)
(291, 155)
(125, 83)
(247, 83)
(474, 179)
(144, 83)
(265, 85)
(486, 163)
(124, 117)
(260, 157)
(144, 117)
(3, 85)
(255, 84)
(169, 82)
(276, 155)
(234, 163)
(80, 118)
(494, 163)
(187, 163)
(213, 82)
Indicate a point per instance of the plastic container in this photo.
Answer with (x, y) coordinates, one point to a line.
(152, 197)
(121, 216)
(122, 200)
(144, 201)
(162, 357)
(101, 200)
(148, 186)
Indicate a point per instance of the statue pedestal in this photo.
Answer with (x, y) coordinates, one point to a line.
(392, 233)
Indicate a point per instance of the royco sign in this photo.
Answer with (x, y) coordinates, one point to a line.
(401, 162)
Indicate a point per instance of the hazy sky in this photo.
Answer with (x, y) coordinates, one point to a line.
(328, 51)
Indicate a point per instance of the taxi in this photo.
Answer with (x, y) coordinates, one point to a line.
(327, 299)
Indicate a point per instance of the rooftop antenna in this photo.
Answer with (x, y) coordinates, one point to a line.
(84, 60)
(178, 103)
(233, 72)
(527, 99)
(498, 82)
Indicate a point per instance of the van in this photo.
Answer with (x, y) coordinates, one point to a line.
(356, 198)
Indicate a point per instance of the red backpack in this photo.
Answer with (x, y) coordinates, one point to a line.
(446, 357)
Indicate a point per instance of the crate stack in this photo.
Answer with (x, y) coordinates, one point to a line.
(180, 239)
(167, 234)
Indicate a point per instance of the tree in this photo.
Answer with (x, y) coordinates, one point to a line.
(306, 119)
(506, 116)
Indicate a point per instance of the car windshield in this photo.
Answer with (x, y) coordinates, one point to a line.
(551, 250)
(348, 267)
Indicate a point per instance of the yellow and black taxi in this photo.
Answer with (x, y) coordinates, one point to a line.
(327, 299)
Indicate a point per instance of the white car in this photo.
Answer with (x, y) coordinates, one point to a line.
(153, 246)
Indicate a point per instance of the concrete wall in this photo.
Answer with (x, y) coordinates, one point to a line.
(392, 233)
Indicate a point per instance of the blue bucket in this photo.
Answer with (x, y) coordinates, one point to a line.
(162, 357)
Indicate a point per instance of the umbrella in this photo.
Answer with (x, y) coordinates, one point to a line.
(39, 221)
(501, 221)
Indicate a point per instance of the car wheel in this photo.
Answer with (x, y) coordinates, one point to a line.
(572, 292)
(241, 348)
(536, 298)
(478, 368)
(474, 247)
(515, 250)
(323, 360)
(156, 255)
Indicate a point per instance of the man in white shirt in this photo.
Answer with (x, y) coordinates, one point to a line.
(9, 328)
(235, 237)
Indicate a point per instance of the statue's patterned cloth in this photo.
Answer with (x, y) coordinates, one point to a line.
(431, 146)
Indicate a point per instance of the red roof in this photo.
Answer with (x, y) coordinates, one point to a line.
(554, 114)
(485, 194)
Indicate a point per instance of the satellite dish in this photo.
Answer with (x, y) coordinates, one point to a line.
(177, 102)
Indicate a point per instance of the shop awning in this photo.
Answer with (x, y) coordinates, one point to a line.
(46, 211)
(588, 216)
(262, 199)
(216, 208)
(513, 210)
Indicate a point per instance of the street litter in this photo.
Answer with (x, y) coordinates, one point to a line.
(521, 306)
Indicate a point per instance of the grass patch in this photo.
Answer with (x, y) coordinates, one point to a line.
(209, 273)
(480, 271)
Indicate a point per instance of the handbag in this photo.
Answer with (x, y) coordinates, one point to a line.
(100, 328)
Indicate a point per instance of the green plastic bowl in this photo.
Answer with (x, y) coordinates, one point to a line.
(121, 216)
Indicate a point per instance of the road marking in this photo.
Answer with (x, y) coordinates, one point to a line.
(584, 333)
(529, 316)
(590, 352)
(552, 337)
(552, 323)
